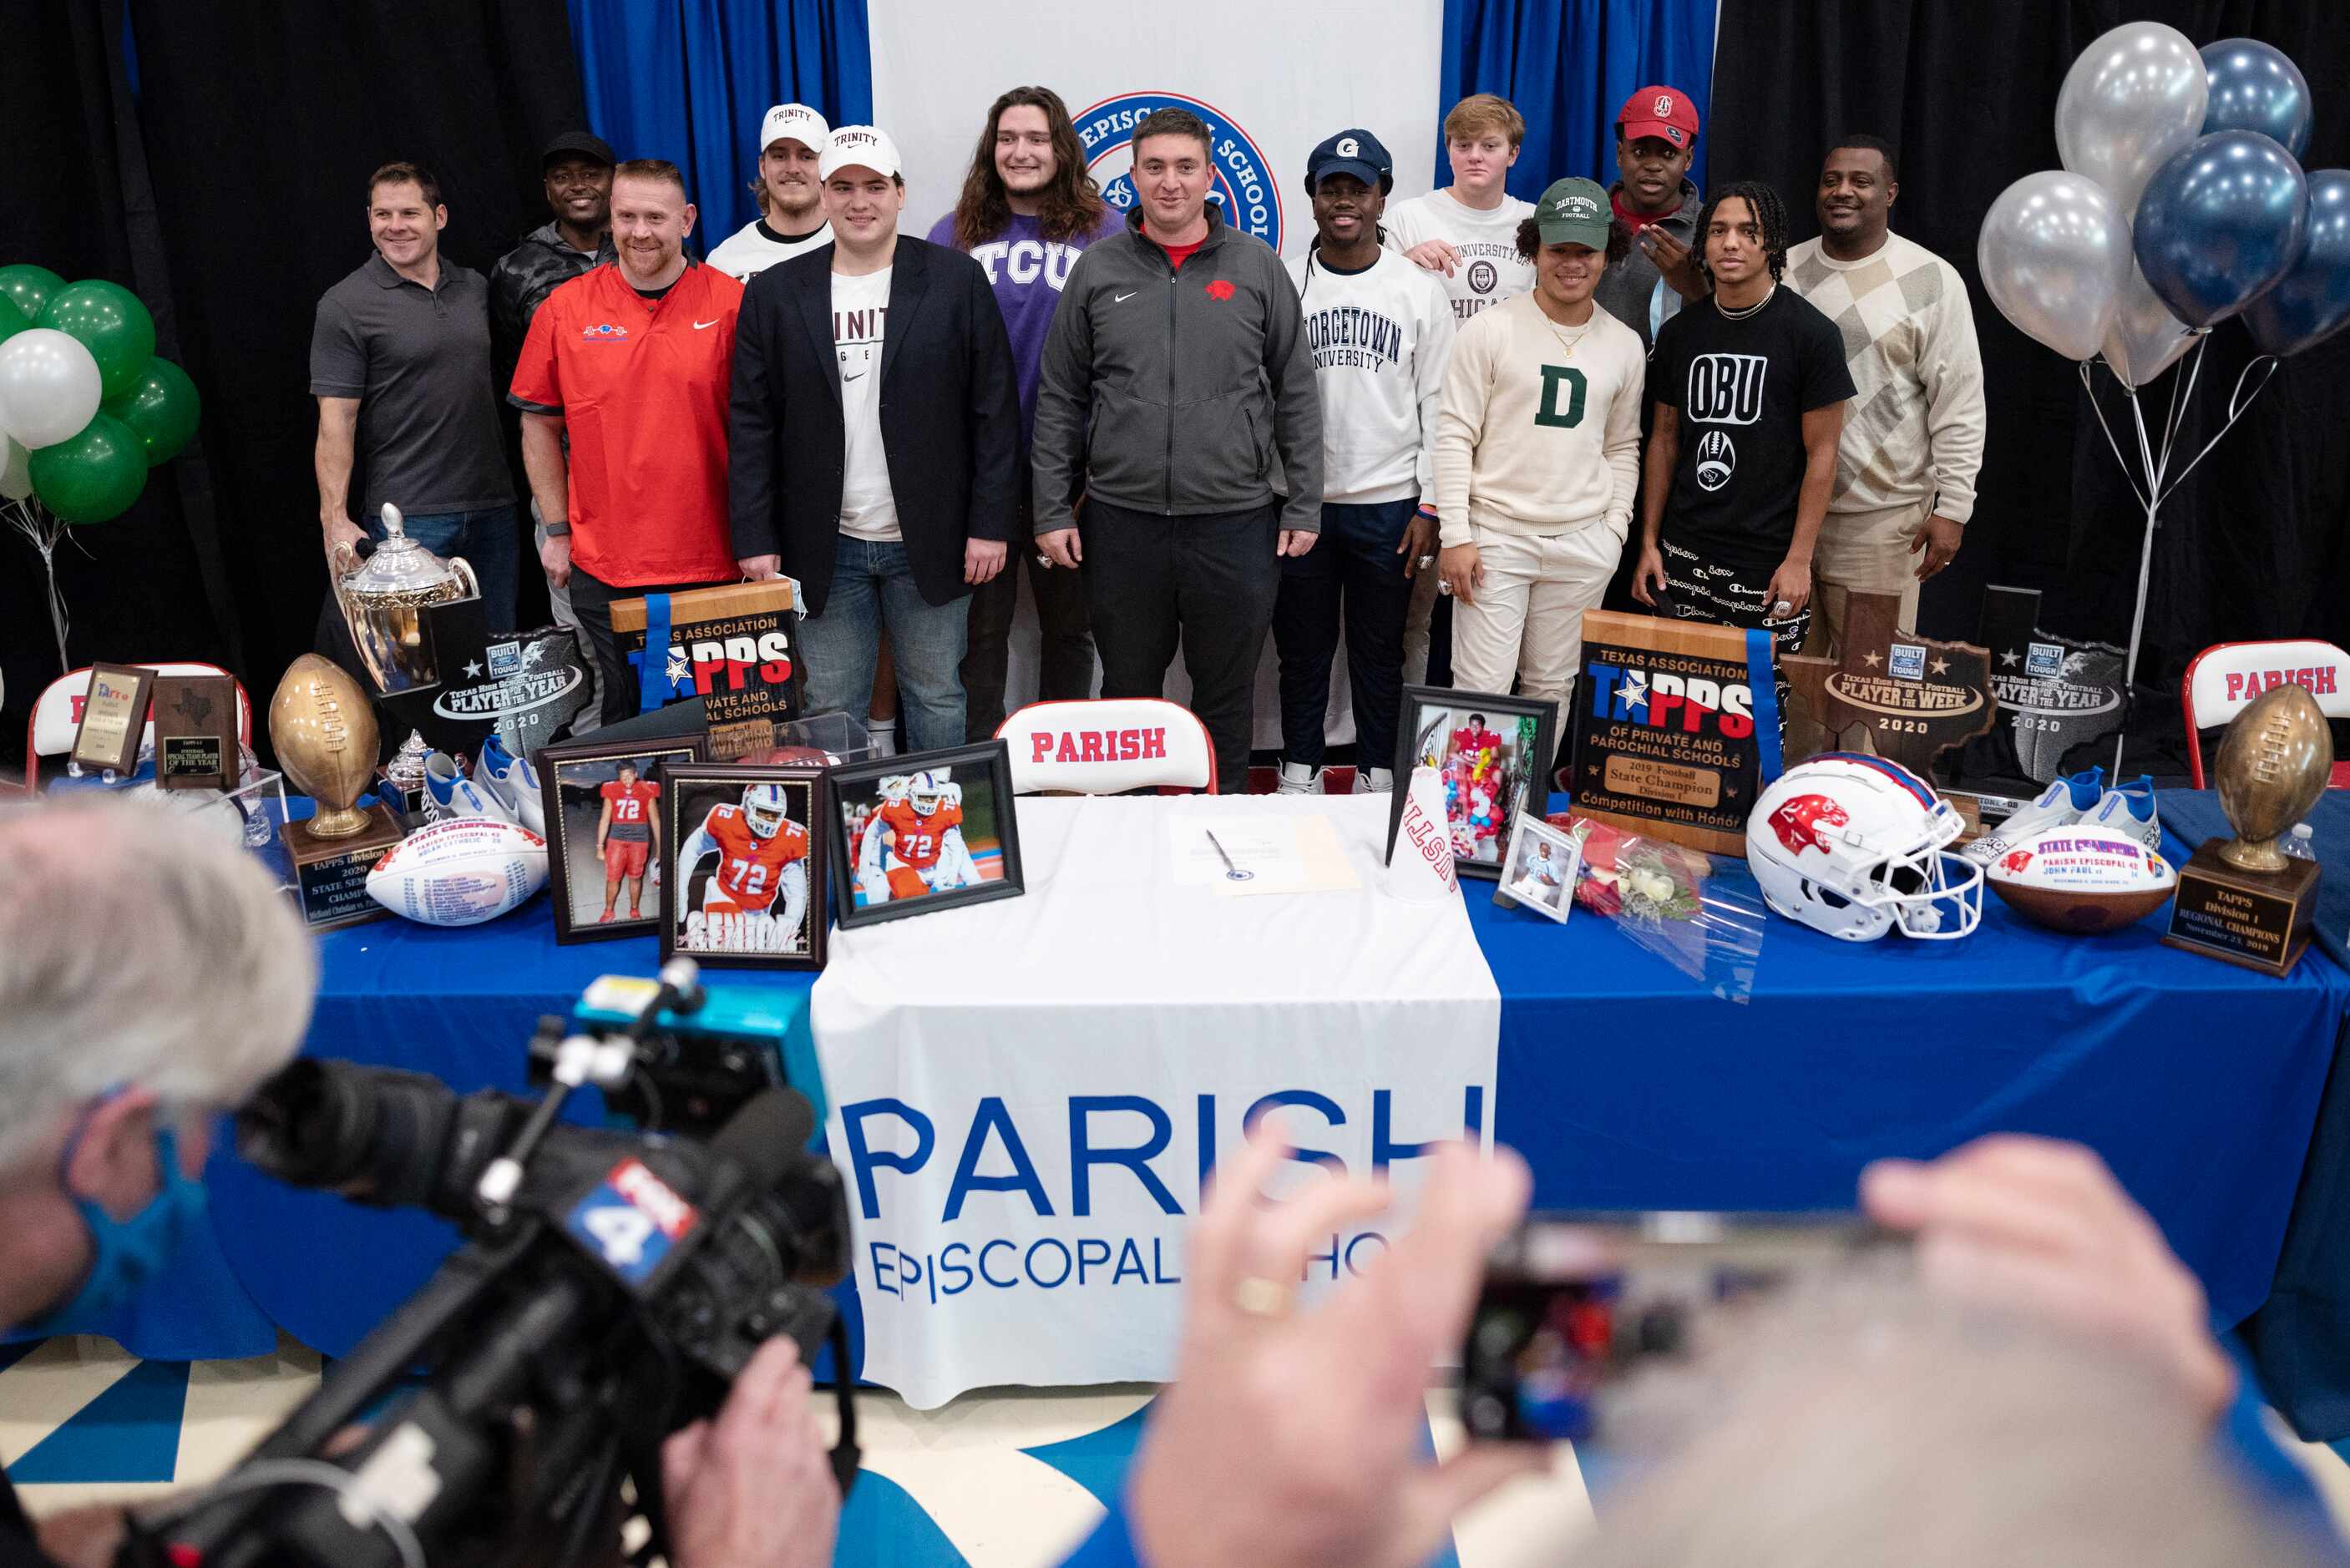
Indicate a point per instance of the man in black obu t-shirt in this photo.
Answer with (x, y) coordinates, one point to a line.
(1750, 390)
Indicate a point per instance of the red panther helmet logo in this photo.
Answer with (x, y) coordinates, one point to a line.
(1798, 822)
(2016, 861)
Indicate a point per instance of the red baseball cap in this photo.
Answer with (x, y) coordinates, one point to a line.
(1660, 112)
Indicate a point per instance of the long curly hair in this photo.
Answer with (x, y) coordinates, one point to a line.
(1071, 203)
(1770, 213)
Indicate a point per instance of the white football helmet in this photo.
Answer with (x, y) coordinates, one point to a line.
(764, 810)
(928, 789)
(1853, 846)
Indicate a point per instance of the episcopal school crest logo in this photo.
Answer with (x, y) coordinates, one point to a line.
(1798, 823)
(1240, 176)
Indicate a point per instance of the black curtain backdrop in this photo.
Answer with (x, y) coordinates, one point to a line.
(2255, 544)
(258, 125)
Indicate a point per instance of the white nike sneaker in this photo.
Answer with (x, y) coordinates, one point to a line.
(1374, 780)
(450, 795)
(2061, 805)
(1296, 778)
(2128, 809)
(513, 783)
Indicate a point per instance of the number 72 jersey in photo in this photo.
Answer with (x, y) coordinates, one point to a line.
(751, 868)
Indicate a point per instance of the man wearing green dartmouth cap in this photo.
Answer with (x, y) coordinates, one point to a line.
(1537, 456)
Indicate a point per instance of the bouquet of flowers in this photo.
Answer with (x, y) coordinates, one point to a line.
(1702, 916)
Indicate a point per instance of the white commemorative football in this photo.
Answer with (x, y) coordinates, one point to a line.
(460, 873)
(2083, 881)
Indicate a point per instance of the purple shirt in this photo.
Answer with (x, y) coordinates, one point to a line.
(1028, 271)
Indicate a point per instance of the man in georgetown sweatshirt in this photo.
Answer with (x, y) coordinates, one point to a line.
(1537, 456)
(1174, 373)
(1379, 330)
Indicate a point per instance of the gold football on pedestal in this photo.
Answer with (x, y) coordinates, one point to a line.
(323, 729)
(2273, 764)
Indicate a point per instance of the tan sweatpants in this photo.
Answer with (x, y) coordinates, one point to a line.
(1527, 621)
(1868, 551)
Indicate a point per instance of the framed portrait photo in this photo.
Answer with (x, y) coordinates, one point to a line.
(603, 832)
(1539, 871)
(742, 865)
(1491, 755)
(914, 834)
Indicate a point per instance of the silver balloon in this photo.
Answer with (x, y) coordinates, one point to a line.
(48, 387)
(2056, 253)
(2146, 340)
(2133, 97)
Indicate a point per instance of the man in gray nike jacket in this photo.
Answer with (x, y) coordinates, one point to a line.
(1175, 374)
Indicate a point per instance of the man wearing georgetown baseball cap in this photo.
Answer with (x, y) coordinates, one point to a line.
(791, 214)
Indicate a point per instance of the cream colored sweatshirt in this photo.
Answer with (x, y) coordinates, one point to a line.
(1540, 428)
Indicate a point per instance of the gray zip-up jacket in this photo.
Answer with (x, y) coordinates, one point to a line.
(1174, 391)
(1629, 291)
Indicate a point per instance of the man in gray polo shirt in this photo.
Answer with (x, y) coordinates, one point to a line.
(400, 362)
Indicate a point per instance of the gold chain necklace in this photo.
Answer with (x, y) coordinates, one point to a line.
(1569, 344)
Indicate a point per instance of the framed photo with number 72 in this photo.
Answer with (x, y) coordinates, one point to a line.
(743, 875)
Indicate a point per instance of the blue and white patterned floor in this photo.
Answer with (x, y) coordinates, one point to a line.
(1008, 1478)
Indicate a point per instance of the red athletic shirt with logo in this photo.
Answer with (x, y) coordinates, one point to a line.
(750, 869)
(641, 385)
(631, 810)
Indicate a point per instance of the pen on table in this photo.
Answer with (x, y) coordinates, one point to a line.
(1232, 871)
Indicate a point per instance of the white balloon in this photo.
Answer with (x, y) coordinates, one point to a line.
(2054, 255)
(15, 469)
(48, 387)
(2133, 97)
(2145, 339)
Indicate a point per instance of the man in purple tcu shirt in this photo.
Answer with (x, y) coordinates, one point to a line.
(1027, 208)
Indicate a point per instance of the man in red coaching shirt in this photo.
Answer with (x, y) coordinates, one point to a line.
(632, 362)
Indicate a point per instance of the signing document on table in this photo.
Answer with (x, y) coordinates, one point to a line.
(1026, 1095)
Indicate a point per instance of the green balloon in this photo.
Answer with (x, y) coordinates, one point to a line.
(160, 407)
(92, 477)
(108, 319)
(11, 320)
(28, 287)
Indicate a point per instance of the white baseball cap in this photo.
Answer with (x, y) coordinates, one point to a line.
(857, 147)
(794, 122)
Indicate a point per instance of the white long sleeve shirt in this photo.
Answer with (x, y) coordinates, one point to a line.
(1380, 338)
(1540, 431)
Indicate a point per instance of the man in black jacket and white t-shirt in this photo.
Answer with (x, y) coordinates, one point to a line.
(1175, 372)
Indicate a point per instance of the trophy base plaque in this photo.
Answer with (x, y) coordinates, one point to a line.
(2260, 919)
(330, 874)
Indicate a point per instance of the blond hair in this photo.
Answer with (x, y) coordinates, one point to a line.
(1481, 112)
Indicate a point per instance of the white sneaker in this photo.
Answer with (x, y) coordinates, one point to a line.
(450, 795)
(513, 783)
(1374, 780)
(1296, 778)
(2061, 805)
(2128, 809)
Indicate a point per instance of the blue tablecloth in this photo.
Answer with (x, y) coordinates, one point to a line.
(1620, 1081)
(2300, 1341)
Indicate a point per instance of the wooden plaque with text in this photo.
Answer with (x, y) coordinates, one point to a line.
(1664, 730)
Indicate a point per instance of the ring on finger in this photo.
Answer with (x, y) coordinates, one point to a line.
(1262, 1297)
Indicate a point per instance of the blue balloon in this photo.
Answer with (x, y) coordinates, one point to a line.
(2218, 223)
(2313, 303)
(2255, 88)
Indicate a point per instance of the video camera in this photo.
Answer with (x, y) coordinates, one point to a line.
(614, 1283)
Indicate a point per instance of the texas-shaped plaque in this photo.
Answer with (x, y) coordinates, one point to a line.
(1915, 698)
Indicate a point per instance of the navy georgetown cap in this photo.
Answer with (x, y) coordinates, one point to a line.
(1356, 152)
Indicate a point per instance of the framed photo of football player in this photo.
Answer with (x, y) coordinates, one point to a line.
(604, 832)
(1491, 754)
(933, 831)
(1541, 868)
(742, 866)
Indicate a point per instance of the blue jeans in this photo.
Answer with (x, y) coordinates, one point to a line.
(490, 540)
(1352, 565)
(873, 588)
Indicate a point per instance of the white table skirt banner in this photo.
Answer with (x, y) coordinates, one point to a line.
(1026, 1095)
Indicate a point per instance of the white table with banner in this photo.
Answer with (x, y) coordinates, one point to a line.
(1026, 1095)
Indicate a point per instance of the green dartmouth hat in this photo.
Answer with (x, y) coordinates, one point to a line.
(1574, 212)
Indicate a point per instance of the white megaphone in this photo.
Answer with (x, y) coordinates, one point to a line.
(1420, 862)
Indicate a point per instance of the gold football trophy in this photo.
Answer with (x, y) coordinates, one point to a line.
(2244, 899)
(322, 727)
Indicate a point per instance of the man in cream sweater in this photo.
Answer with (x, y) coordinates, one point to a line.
(1379, 330)
(1913, 434)
(1537, 457)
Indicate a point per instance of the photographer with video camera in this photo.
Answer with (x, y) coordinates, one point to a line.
(152, 976)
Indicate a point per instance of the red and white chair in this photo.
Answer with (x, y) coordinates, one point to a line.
(1107, 746)
(2223, 681)
(57, 712)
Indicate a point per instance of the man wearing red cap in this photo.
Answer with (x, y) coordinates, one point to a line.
(1656, 205)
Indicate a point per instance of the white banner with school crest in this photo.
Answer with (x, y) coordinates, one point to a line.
(1027, 1094)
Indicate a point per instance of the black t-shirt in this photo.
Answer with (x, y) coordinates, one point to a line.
(19, 1548)
(1741, 388)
